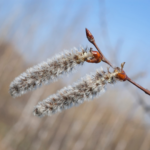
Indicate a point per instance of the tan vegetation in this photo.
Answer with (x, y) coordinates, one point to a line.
(117, 120)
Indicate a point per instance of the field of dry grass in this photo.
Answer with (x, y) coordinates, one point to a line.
(117, 120)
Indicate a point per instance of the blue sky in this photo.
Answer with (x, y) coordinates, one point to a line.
(53, 26)
(130, 20)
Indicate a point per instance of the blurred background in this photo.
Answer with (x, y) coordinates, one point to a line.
(31, 31)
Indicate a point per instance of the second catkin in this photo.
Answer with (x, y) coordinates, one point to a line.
(85, 89)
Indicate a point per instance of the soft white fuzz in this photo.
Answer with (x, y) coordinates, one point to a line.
(70, 96)
(48, 71)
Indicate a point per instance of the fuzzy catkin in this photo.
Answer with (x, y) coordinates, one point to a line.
(48, 71)
(70, 96)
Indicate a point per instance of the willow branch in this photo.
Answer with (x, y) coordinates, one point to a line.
(91, 39)
(139, 86)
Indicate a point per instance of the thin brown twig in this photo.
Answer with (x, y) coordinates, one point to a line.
(91, 39)
(122, 75)
(139, 86)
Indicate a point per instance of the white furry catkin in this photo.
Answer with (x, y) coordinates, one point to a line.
(70, 96)
(48, 71)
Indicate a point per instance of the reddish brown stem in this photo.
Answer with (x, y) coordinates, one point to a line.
(122, 75)
(91, 39)
(137, 85)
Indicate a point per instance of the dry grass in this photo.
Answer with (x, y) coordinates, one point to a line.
(111, 122)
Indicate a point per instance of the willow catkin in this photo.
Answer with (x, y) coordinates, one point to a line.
(48, 71)
(86, 89)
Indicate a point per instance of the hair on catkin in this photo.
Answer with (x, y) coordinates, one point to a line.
(48, 71)
(70, 96)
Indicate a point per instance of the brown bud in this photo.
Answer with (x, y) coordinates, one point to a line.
(89, 35)
(122, 76)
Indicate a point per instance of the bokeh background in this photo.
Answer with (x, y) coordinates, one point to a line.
(33, 30)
